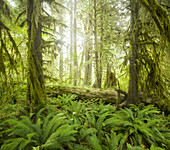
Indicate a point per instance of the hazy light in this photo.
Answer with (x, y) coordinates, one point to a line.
(12, 3)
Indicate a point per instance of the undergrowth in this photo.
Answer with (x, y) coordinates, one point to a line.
(67, 124)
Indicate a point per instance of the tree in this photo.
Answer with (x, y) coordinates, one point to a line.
(61, 50)
(97, 56)
(160, 16)
(133, 68)
(36, 94)
(75, 44)
(71, 42)
(148, 43)
(11, 64)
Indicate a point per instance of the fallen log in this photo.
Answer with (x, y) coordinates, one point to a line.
(108, 96)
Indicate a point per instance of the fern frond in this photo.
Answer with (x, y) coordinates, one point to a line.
(80, 147)
(112, 141)
(19, 125)
(100, 121)
(122, 141)
(64, 132)
(11, 144)
(91, 119)
(130, 147)
(95, 143)
(85, 131)
(51, 124)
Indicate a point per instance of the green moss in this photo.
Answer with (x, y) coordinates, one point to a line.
(36, 93)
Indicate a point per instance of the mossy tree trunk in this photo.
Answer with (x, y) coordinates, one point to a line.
(159, 15)
(36, 94)
(133, 68)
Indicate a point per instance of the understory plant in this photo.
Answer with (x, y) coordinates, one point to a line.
(50, 132)
(141, 126)
(79, 125)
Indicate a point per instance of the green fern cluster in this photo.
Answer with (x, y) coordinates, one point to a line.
(51, 132)
(140, 126)
(87, 126)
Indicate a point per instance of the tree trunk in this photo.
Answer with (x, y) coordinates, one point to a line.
(88, 43)
(36, 94)
(80, 67)
(75, 45)
(97, 83)
(61, 50)
(71, 43)
(133, 69)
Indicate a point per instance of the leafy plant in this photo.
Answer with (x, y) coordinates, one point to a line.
(140, 126)
(53, 131)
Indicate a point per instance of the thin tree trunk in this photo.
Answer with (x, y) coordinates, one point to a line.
(88, 43)
(36, 94)
(86, 53)
(80, 68)
(61, 50)
(133, 69)
(71, 43)
(75, 45)
(97, 81)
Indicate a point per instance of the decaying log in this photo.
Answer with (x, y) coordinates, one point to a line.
(108, 96)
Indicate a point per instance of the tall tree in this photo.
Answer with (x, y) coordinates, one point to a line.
(71, 42)
(88, 48)
(133, 68)
(75, 45)
(36, 94)
(97, 72)
(61, 49)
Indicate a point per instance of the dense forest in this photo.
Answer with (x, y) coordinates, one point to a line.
(84, 74)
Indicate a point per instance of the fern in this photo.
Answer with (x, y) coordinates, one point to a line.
(112, 140)
(140, 124)
(95, 143)
(44, 133)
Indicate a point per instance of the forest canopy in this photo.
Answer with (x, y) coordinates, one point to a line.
(84, 74)
(97, 44)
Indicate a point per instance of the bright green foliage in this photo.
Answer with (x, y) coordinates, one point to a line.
(140, 126)
(87, 126)
(51, 132)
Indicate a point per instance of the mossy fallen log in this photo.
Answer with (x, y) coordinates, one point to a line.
(108, 96)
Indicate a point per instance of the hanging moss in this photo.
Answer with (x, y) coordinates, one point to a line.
(160, 16)
(151, 46)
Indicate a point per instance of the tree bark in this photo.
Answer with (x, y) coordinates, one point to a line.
(88, 47)
(133, 69)
(97, 83)
(36, 94)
